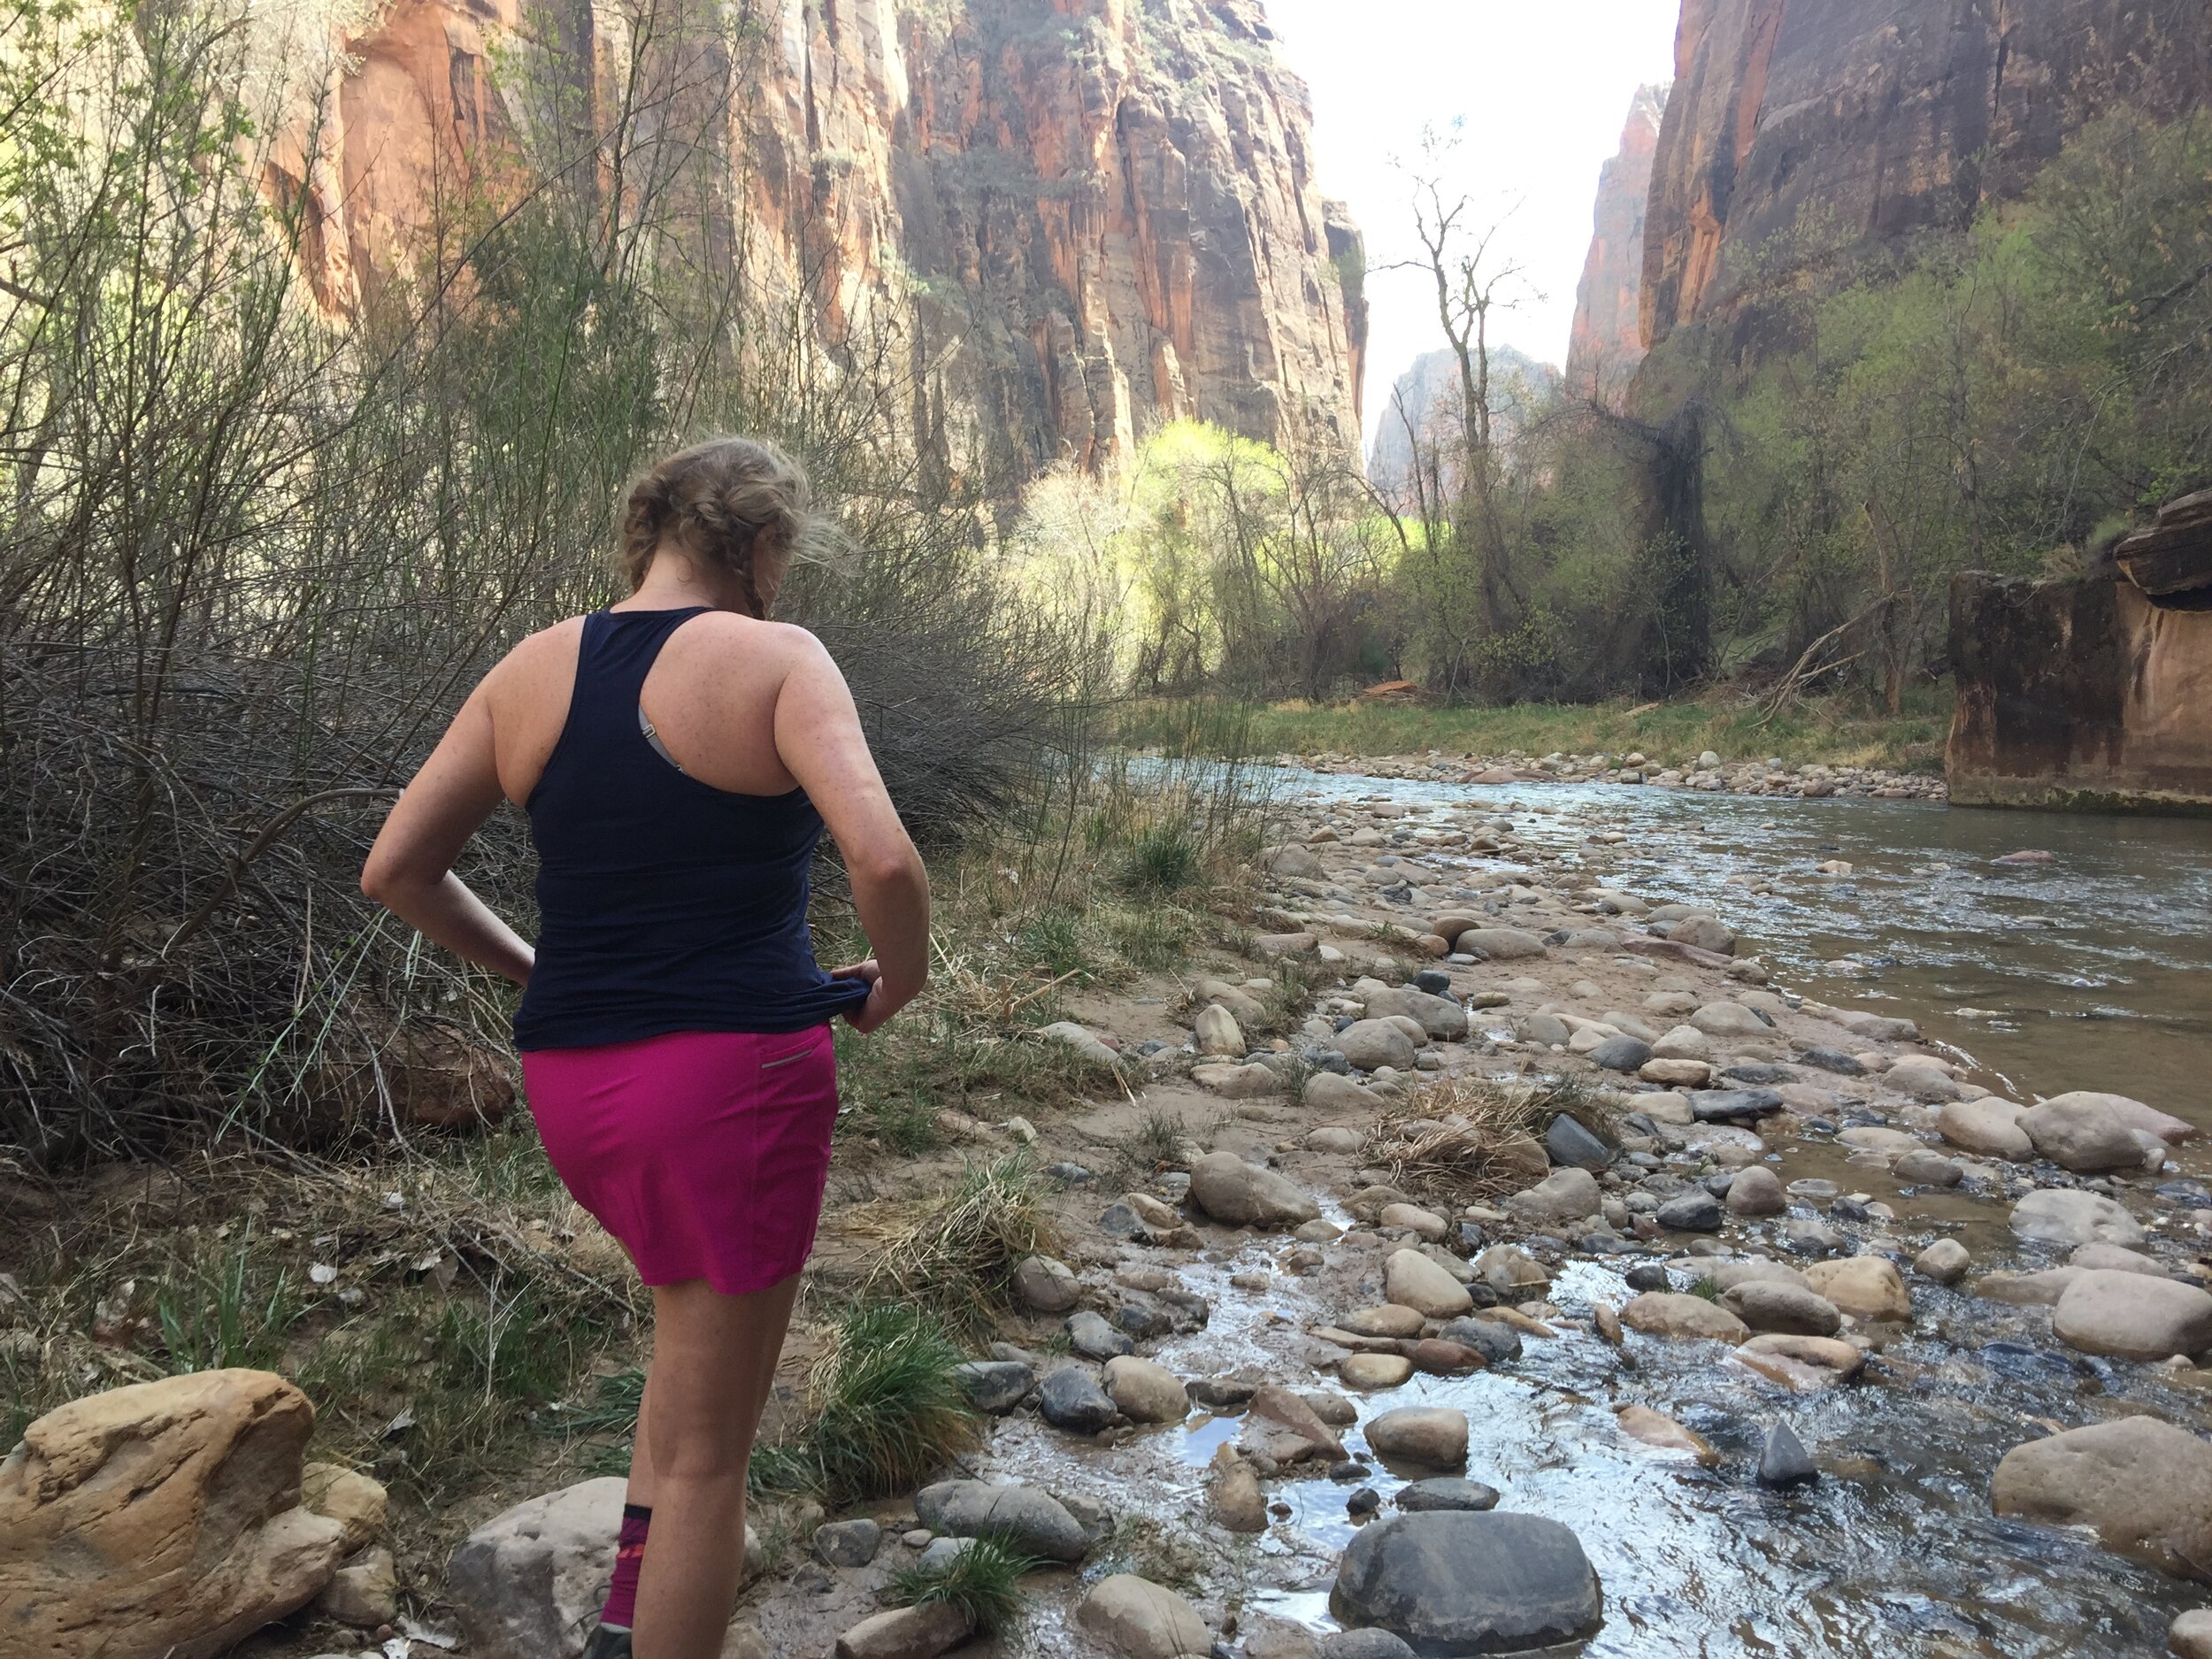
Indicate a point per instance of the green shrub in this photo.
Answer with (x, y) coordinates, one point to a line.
(887, 1409)
(984, 1581)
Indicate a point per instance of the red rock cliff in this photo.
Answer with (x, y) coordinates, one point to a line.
(1608, 339)
(1801, 128)
(1084, 216)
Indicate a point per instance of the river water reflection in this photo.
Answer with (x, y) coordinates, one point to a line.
(2092, 972)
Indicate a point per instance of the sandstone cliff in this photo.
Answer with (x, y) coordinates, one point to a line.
(1079, 217)
(1608, 340)
(1797, 131)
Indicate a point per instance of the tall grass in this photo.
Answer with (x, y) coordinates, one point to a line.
(983, 1580)
(959, 1253)
(887, 1410)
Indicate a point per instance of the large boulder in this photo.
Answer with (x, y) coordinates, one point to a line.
(1247, 1194)
(1455, 1582)
(1664, 1313)
(1987, 1128)
(1368, 1043)
(1138, 1619)
(1217, 1032)
(1434, 1435)
(1438, 1016)
(2132, 1315)
(2144, 1486)
(2082, 1134)
(2062, 1215)
(1865, 1286)
(2133, 1113)
(1412, 1280)
(1499, 944)
(529, 1582)
(161, 1518)
(1033, 1522)
(1564, 1195)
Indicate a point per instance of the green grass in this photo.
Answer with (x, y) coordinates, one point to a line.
(1834, 730)
(887, 1410)
(1167, 857)
(984, 1581)
(216, 1317)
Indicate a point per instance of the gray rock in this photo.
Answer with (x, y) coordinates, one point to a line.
(1832, 1060)
(1565, 1194)
(1945, 1262)
(1702, 932)
(1083, 1043)
(1092, 1338)
(1363, 1644)
(1572, 1146)
(1045, 1284)
(1547, 1029)
(1800, 1237)
(1928, 1169)
(2061, 1215)
(1434, 1435)
(1447, 1491)
(527, 1583)
(1784, 1461)
(1756, 1191)
(1071, 1399)
(2144, 1486)
(848, 1543)
(1721, 1105)
(996, 1386)
(1765, 1305)
(1493, 1339)
(1696, 1211)
(1138, 1619)
(907, 1633)
(2132, 1316)
(1438, 1016)
(1454, 1581)
(1370, 1043)
(1034, 1522)
(1620, 1053)
(1499, 944)
(940, 1554)
(2081, 1133)
(1247, 1195)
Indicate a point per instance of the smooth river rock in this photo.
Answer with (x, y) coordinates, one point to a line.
(1244, 1194)
(1766, 1306)
(1138, 1619)
(2132, 1316)
(1945, 1262)
(2144, 1486)
(1145, 1392)
(1071, 1399)
(2083, 1135)
(1033, 1522)
(1436, 1436)
(1664, 1313)
(2133, 1113)
(1412, 1280)
(1458, 1582)
(1756, 1191)
(1865, 1286)
(1370, 1043)
(1499, 944)
(2062, 1215)
(1565, 1194)
(1806, 1365)
(1987, 1128)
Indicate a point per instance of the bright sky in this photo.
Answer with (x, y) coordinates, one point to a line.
(1544, 87)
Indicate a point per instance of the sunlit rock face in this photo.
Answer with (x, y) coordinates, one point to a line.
(1083, 218)
(1796, 131)
(1608, 341)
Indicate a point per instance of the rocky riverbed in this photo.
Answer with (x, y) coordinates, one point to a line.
(1578, 1273)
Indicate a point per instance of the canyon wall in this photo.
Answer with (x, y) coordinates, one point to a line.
(1424, 407)
(1797, 130)
(1608, 340)
(1079, 218)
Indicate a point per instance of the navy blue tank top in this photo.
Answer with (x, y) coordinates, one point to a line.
(664, 904)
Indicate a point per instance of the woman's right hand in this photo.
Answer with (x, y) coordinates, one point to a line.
(878, 1007)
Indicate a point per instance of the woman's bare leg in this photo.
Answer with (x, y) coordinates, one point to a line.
(714, 1358)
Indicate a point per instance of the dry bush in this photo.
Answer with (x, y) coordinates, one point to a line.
(1446, 1146)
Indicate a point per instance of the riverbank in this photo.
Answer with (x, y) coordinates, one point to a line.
(1227, 1141)
(1826, 732)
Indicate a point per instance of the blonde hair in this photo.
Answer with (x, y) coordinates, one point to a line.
(718, 500)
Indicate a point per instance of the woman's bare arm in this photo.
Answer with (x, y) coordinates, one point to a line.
(409, 870)
(819, 739)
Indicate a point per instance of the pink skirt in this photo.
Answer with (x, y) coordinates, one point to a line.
(705, 1152)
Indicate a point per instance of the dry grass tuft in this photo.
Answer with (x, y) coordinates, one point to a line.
(1446, 1145)
(959, 1253)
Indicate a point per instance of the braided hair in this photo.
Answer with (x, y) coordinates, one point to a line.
(722, 500)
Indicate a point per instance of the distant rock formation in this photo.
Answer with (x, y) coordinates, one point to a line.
(1086, 216)
(1797, 131)
(1608, 341)
(2091, 693)
(1426, 404)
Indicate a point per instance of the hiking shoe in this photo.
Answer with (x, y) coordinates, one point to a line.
(607, 1643)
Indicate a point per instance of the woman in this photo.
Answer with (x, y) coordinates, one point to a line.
(679, 756)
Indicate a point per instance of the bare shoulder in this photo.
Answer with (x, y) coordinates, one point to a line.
(752, 641)
(549, 653)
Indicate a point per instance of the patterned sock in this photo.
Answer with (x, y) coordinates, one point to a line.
(629, 1559)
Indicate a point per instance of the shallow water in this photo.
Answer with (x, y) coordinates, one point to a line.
(2094, 967)
(2093, 972)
